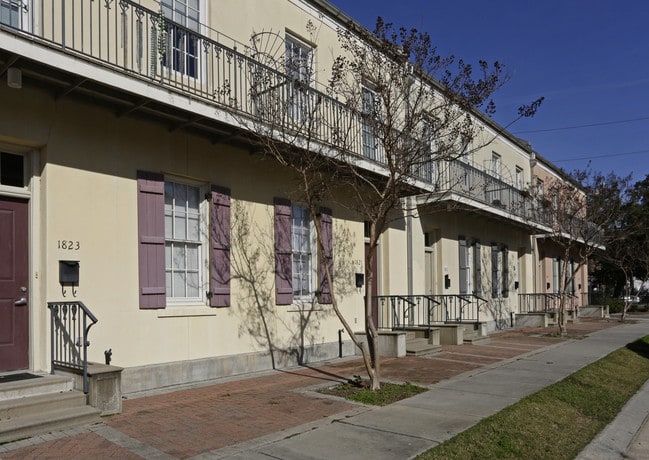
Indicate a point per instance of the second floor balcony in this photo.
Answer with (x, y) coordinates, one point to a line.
(131, 49)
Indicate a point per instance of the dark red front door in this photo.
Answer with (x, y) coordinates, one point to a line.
(14, 305)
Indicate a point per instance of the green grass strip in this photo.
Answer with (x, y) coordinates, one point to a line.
(559, 421)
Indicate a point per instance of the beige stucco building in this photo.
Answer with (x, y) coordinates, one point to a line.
(125, 160)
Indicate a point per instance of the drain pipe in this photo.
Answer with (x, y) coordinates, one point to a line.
(340, 342)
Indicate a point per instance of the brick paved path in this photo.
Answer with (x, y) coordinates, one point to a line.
(185, 423)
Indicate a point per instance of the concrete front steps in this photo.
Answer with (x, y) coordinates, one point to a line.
(473, 334)
(37, 406)
(422, 342)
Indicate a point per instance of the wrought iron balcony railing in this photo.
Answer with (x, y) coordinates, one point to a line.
(129, 38)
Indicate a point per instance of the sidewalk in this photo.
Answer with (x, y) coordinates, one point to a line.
(278, 414)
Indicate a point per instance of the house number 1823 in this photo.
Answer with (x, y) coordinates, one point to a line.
(69, 245)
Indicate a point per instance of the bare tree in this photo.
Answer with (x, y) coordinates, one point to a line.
(392, 118)
(584, 216)
(627, 253)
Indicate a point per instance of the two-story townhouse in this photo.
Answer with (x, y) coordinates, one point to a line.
(128, 181)
(557, 273)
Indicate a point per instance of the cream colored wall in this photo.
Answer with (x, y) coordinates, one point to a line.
(268, 17)
(487, 142)
(89, 163)
(450, 225)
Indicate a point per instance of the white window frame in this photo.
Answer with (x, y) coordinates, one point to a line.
(202, 257)
(496, 165)
(369, 108)
(305, 295)
(183, 19)
(21, 9)
(428, 168)
(519, 178)
(300, 73)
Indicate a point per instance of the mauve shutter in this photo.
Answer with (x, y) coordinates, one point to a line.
(478, 269)
(327, 256)
(283, 253)
(494, 271)
(151, 239)
(463, 267)
(505, 251)
(220, 247)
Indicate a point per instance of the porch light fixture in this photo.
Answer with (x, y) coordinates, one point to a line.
(14, 77)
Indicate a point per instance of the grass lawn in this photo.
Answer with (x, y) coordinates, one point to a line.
(560, 420)
(359, 391)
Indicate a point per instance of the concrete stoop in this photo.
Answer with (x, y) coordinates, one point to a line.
(41, 405)
(473, 334)
(417, 344)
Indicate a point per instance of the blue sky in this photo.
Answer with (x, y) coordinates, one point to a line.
(588, 58)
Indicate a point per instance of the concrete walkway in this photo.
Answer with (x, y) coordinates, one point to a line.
(410, 427)
(278, 415)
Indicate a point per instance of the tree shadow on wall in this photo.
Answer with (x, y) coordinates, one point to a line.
(287, 332)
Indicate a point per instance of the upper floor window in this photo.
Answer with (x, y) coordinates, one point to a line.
(539, 188)
(12, 169)
(11, 12)
(299, 60)
(428, 170)
(182, 40)
(184, 242)
(496, 165)
(370, 111)
(519, 178)
(299, 70)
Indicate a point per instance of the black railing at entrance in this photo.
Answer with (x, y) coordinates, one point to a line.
(403, 311)
(69, 324)
(461, 308)
(545, 302)
(400, 312)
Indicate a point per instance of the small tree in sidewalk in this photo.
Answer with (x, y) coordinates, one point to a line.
(627, 254)
(584, 216)
(394, 113)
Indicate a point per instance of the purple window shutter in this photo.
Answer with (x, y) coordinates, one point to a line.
(220, 247)
(151, 239)
(283, 253)
(327, 256)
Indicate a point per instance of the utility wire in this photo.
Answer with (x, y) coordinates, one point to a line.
(592, 157)
(581, 126)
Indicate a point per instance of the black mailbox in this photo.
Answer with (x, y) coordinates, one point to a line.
(360, 280)
(69, 272)
(447, 281)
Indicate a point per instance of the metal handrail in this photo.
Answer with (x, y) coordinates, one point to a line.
(402, 311)
(70, 323)
(544, 301)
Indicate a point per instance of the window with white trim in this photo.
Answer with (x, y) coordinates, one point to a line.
(496, 165)
(428, 169)
(299, 70)
(302, 253)
(370, 112)
(182, 54)
(11, 12)
(519, 178)
(184, 242)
